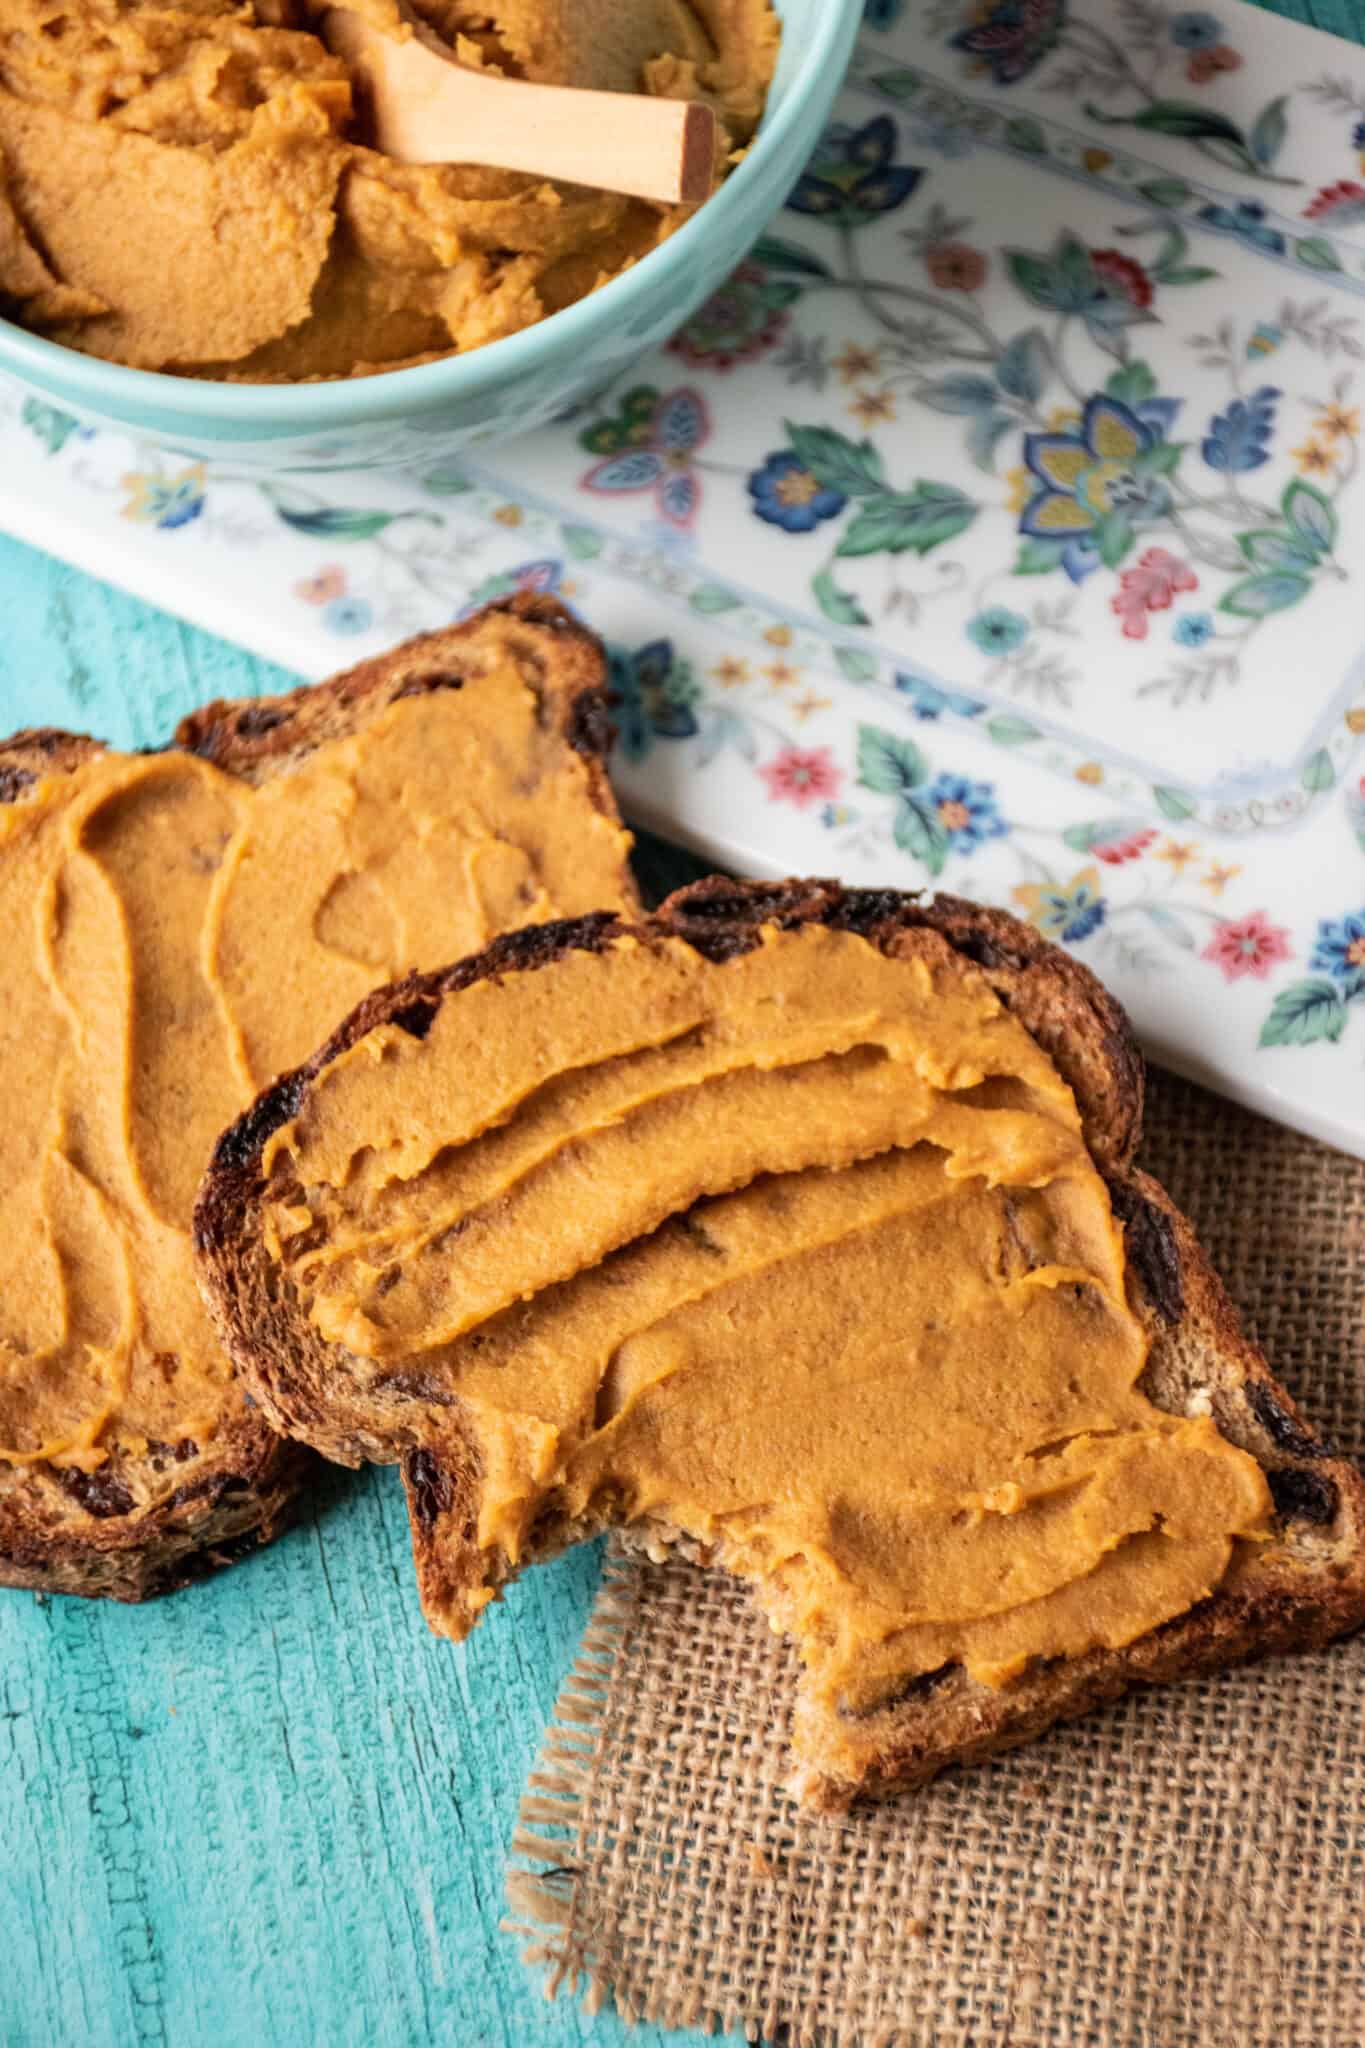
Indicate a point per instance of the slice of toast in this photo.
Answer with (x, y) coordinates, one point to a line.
(132, 1511)
(357, 1379)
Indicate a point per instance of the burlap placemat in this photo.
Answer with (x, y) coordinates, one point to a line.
(1186, 1870)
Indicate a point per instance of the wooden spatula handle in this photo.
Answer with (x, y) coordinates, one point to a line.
(427, 108)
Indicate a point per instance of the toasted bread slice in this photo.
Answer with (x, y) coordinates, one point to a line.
(279, 1219)
(131, 1511)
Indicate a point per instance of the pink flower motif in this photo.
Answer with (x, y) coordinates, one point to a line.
(1151, 587)
(322, 588)
(801, 777)
(1114, 852)
(1248, 945)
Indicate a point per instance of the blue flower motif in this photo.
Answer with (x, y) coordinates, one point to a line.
(929, 702)
(1358, 135)
(1264, 339)
(1239, 439)
(1192, 629)
(834, 815)
(1340, 951)
(786, 494)
(967, 811)
(1010, 38)
(1105, 470)
(851, 179)
(348, 615)
(653, 694)
(1195, 30)
(997, 630)
(165, 501)
(1064, 910)
(1247, 221)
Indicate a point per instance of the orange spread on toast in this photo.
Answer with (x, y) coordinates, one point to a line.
(802, 1255)
(175, 937)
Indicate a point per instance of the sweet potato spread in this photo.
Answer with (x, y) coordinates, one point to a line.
(174, 937)
(801, 1255)
(186, 186)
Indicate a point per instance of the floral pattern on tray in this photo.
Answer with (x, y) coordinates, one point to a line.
(973, 534)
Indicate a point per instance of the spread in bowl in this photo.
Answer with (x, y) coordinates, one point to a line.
(185, 188)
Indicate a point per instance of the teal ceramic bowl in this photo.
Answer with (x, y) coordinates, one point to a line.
(401, 416)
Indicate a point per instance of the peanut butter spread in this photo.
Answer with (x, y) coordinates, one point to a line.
(802, 1255)
(175, 937)
(185, 186)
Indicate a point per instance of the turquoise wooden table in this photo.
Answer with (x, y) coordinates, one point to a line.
(272, 1809)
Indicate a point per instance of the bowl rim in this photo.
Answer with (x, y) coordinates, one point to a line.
(389, 394)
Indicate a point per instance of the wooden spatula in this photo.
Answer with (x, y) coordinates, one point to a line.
(427, 108)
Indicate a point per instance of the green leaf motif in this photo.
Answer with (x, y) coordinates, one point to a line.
(712, 598)
(919, 833)
(1256, 597)
(1032, 275)
(1305, 1013)
(887, 763)
(1132, 384)
(775, 254)
(1268, 132)
(1009, 731)
(1038, 557)
(1169, 925)
(840, 464)
(908, 522)
(1173, 804)
(447, 480)
(1093, 832)
(336, 522)
(1184, 119)
(984, 436)
(1167, 192)
(1269, 549)
(1025, 365)
(1026, 134)
(1164, 459)
(1114, 539)
(838, 605)
(1312, 516)
(1317, 252)
(957, 394)
(582, 543)
(899, 84)
(856, 663)
(49, 423)
(1189, 273)
(1318, 772)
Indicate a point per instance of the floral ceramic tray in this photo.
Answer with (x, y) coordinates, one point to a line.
(998, 527)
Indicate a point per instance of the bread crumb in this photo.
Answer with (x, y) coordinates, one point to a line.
(1200, 1402)
(1029, 1788)
(759, 1863)
(917, 1927)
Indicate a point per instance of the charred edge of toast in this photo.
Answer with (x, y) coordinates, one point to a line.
(121, 1552)
(720, 919)
(562, 659)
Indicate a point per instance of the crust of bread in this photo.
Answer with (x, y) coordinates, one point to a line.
(139, 1527)
(1304, 1587)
